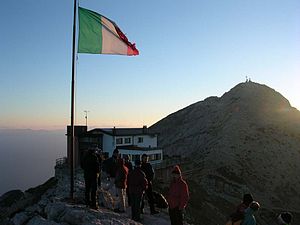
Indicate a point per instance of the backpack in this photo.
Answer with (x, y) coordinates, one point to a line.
(236, 218)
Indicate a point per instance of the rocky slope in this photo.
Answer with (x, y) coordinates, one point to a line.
(248, 140)
(49, 204)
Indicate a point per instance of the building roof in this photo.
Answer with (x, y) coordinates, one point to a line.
(134, 147)
(122, 131)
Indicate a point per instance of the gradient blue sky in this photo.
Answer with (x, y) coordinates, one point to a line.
(189, 50)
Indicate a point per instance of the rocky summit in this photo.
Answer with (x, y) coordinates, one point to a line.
(247, 140)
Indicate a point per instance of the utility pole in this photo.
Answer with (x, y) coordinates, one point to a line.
(86, 117)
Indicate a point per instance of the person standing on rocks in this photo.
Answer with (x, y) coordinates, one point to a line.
(99, 155)
(128, 164)
(284, 218)
(177, 197)
(249, 214)
(137, 184)
(110, 167)
(148, 170)
(121, 184)
(91, 168)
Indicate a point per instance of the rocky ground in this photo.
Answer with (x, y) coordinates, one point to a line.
(49, 204)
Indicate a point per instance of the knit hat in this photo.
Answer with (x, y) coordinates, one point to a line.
(176, 170)
(286, 217)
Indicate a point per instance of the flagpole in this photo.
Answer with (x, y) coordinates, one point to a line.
(72, 104)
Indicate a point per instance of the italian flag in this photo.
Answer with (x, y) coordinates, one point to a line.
(100, 35)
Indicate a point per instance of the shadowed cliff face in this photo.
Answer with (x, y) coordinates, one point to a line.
(27, 157)
(248, 140)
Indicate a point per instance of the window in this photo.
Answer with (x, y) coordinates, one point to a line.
(158, 156)
(119, 141)
(151, 157)
(140, 140)
(127, 140)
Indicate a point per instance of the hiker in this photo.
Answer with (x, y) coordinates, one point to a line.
(90, 166)
(239, 214)
(137, 184)
(284, 218)
(249, 218)
(148, 170)
(110, 167)
(128, 164)
(121, 184)
(99, 156)
(177, 197)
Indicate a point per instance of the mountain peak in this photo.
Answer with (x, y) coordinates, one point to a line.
(256, 93)
(246, 141)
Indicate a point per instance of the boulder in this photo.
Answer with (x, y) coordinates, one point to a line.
(8, 198)
(20, 218)
(38, 220)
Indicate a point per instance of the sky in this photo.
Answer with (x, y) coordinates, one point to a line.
(189, 50)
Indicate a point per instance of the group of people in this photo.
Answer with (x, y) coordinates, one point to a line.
(245, 213)
(134, 182)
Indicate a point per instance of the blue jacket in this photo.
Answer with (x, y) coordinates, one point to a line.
(249, 217)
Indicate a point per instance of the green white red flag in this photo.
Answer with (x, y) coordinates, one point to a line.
(100, 35)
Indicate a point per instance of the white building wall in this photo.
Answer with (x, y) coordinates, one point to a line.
(148, 140)
(124, 140)
(108, 144)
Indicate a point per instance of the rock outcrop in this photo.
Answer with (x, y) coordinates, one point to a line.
(49, 204)
(248, 140)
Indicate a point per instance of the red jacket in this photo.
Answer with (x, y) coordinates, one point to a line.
(121, 175)
(178, 195)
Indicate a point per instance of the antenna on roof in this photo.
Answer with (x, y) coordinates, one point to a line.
(86, 117)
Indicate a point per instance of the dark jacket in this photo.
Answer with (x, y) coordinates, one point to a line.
(90, 164)
(121, 175)
(137, 182)
(148, 170)
(110, 166)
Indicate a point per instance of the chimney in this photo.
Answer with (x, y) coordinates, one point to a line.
(145, 129)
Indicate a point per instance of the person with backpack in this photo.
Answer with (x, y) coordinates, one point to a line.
(148, 170)
(249, 218)
(177, 197)
(284, 218)
(110, 166)
(99, 156)
(137, 184)
(129, 166)
(121, 184)
(239, 214)
(91, 168)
